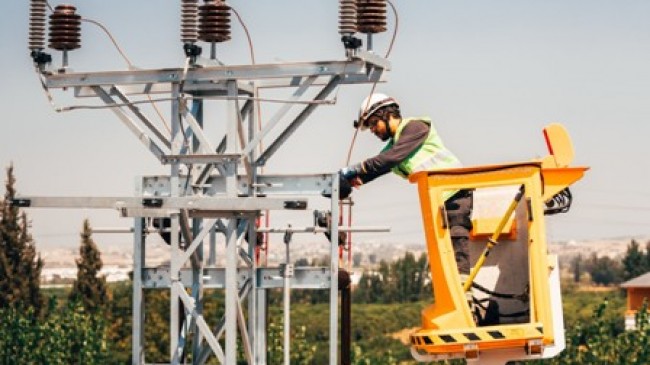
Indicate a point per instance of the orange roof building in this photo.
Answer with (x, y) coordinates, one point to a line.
(638, 291)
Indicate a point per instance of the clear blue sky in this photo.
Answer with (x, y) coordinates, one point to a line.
(490, 74)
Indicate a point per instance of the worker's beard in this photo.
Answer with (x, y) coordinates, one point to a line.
(386, 135)
(383, 136)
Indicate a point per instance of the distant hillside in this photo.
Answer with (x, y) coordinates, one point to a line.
(612, 247)
(370, 252)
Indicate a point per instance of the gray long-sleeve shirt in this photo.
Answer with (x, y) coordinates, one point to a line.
(413, 136)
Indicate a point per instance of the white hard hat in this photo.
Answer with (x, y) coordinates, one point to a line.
(370, 105)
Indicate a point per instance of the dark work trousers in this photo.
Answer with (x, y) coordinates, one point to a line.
(459, 211)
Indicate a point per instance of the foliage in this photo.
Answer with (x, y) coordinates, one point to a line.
(373, 327)
(604, 270)
(89, 288)
(576, 268)
(634, 262)
(301, 352)
(647, 256)
(600, 341)
(20, 267)
(119, 327)
(69, 335)
(594, 331)
(404, 280)
(608, 271)
(359, 357)
(578, 307)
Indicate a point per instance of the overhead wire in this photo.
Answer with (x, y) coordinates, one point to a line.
(185, 71)
(255, 98)
(131, 66)
(122, 54)
(159, 100)
(267, 219)
(248, 35)
(356, 131)
(374, 84)
(110, 36)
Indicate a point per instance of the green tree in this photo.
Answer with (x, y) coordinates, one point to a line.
(634, 261)
(647, 256)
(67, 335)
(89, 288)
(411, 278)
(576, 268)
(404, 280)
(301, 352)
(20, 266)
(119, 323)
(369, 288)
(601, 341)
(386, 289)
(604, 270)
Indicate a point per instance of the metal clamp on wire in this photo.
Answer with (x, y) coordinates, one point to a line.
(192, 50)
(351, 42)
(41, 58)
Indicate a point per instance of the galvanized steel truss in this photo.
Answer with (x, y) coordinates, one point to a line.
(205, 193)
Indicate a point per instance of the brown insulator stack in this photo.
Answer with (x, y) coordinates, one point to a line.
(371, 16)
(347, 17)
(189, 21)
(65, 28)
(214, 21)
(37, 24)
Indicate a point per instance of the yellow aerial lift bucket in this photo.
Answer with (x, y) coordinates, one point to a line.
(516, 307)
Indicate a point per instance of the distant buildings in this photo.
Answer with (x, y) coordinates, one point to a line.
(66, 275)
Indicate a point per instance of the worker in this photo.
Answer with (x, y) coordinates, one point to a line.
(412, 145)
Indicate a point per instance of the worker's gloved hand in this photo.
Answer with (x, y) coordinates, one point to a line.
(350, 172)
(345, 188)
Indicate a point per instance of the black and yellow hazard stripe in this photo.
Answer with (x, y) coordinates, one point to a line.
(440, 341)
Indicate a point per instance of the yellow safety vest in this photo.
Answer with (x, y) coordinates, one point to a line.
(431, 155)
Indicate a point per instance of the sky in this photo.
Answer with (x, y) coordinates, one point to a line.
(490, 74)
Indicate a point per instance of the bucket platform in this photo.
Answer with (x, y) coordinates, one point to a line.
(516, 309)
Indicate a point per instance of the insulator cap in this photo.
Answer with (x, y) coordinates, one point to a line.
(65, 28)
(189, 21)
(371, 16)
(214, 21)
(347, 17)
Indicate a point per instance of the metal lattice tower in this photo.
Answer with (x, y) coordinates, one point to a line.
(216, 186)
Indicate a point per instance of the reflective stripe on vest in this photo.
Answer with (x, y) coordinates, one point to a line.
(431, 155)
